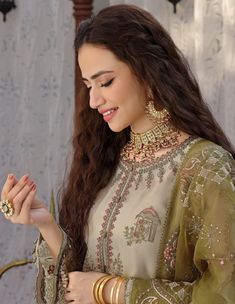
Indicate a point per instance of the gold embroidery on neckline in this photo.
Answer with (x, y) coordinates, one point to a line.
(148, 153)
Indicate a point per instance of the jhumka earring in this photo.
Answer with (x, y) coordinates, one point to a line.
(162, 135)
(156, 116)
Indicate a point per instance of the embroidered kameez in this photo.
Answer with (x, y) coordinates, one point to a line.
(166, 224)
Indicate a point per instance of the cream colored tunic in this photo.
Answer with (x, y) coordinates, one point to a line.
(127, 219)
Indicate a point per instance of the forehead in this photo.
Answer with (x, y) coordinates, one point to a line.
(92, 59)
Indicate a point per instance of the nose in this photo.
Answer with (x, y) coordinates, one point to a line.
(96, 99)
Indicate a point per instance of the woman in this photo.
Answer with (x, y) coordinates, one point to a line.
(147, 214)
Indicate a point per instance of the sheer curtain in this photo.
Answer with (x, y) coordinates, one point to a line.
(205, 31)
(36, 98)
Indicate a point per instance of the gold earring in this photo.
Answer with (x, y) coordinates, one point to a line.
(156, 116)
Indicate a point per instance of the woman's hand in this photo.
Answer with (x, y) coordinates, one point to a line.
(80, 287)
(27, 208)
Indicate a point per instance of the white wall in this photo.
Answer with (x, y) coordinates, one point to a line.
(99, 4)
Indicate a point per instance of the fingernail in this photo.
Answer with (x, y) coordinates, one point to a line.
(29, 183)
(26, 178)
(33, 188)
(10, 176)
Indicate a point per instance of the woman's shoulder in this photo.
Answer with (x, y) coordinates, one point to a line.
(205, 158)
(204, 151)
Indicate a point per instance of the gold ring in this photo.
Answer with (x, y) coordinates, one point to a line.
(7, 208)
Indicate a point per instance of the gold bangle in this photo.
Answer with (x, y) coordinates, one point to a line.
(112, 290)
(119, 284)
(101, 287)
(95, 289)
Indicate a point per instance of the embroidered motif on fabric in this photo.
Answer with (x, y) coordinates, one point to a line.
(158, 164)
(51, 269)
(210, 234)
(116, 177)
(145, 227)
(144, 297)
(170, 292)
(186, 176)
(104, 247)
(117, 266)
(173, 292)
(169, 252)
(214, 168)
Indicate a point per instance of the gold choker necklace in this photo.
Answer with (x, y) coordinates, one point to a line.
(143, 146)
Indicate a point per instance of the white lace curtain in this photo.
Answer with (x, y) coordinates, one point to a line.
(205, 31)
(37, 89)
(36, 110)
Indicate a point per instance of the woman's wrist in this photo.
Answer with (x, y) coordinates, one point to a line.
(49, 222)
(52, 235)
(114, 291)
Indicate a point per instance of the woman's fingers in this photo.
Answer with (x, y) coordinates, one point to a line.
(18, 187)
(26, 206)
(21, 194)
(19, 199)
(70, 297)
(9, 184)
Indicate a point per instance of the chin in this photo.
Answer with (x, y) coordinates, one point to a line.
(116, 128)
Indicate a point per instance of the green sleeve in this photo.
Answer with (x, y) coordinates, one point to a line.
(212, 229)
(158, 291)
(207, 225)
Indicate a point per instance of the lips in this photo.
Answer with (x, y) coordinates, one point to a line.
(107, 111)
(108, 114)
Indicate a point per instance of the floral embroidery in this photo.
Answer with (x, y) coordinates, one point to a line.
(169, 292)
(117, 266)
(51, 269)
(194, 227)
(145, 169)
(145, 227)
(138, 181)
(169, 252)
(116, 177)
(104, 246)
(210, 234)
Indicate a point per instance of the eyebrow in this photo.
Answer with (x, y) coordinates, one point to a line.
(97, 75)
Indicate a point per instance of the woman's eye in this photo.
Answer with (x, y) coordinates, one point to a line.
(106, 84)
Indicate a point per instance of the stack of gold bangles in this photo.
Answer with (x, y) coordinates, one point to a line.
(99, 285)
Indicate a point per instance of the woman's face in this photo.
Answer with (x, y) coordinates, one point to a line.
(114, 90)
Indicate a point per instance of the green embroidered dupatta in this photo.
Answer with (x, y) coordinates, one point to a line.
(198, 244)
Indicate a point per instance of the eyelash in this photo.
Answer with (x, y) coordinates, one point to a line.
(106, 84)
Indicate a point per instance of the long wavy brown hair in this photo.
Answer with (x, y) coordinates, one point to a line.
(137, 39)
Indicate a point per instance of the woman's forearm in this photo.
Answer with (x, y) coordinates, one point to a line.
(53, 236)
